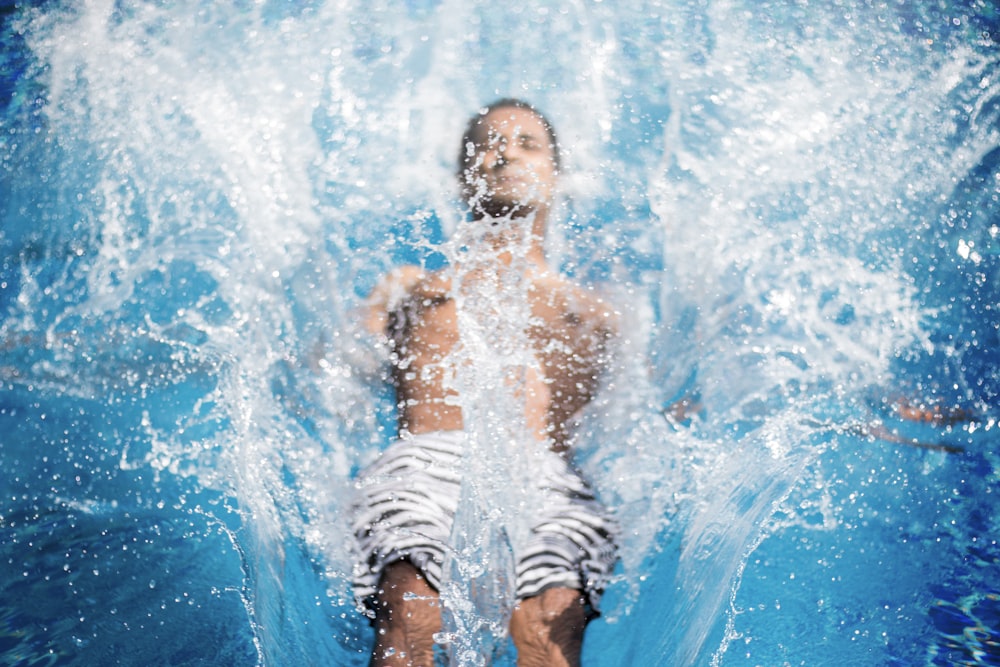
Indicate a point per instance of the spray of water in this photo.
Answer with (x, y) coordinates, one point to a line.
(219, 186)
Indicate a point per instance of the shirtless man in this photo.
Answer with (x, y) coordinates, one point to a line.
(508, 167)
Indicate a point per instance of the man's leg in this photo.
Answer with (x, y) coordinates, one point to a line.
(407, 614)
(548, 629)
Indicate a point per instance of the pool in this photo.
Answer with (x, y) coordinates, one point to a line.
(794, 206)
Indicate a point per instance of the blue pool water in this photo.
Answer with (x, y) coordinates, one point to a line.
(794, 205)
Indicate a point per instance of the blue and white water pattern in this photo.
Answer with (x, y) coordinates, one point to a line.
(794, 204)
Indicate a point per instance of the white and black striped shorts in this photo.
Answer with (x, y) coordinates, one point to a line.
(406, 501)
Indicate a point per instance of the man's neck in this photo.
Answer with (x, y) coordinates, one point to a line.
(517, 236)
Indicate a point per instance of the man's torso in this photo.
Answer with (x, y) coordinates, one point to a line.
(567, 333)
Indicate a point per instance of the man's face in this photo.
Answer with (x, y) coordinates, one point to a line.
(514, 169)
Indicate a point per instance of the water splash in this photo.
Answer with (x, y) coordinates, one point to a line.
(195, 199)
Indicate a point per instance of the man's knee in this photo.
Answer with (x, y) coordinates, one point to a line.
(404, 594)
(402, 581)
(407, 614)
(549, 627)
(554, 605)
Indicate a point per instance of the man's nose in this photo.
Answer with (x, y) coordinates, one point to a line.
(505, 154)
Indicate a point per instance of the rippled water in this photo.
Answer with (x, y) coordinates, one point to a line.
(795, 207)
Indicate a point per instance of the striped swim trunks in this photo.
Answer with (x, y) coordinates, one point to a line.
(406, 501)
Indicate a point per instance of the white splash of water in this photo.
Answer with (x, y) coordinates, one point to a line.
(262, 159)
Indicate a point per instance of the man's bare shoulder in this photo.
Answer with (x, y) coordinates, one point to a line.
(399, 287)
(585, 304)
(435, 285)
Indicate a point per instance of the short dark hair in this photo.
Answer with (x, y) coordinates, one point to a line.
(465, 159)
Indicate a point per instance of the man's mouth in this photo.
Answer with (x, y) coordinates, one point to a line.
(521, 181)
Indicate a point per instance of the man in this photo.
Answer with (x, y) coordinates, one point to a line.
(508, 168)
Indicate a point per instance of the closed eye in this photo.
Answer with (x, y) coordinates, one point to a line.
(530, 143)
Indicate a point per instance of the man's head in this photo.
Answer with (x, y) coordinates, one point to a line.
(509, 160)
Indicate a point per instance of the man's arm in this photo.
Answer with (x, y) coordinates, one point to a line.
(393, 288)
